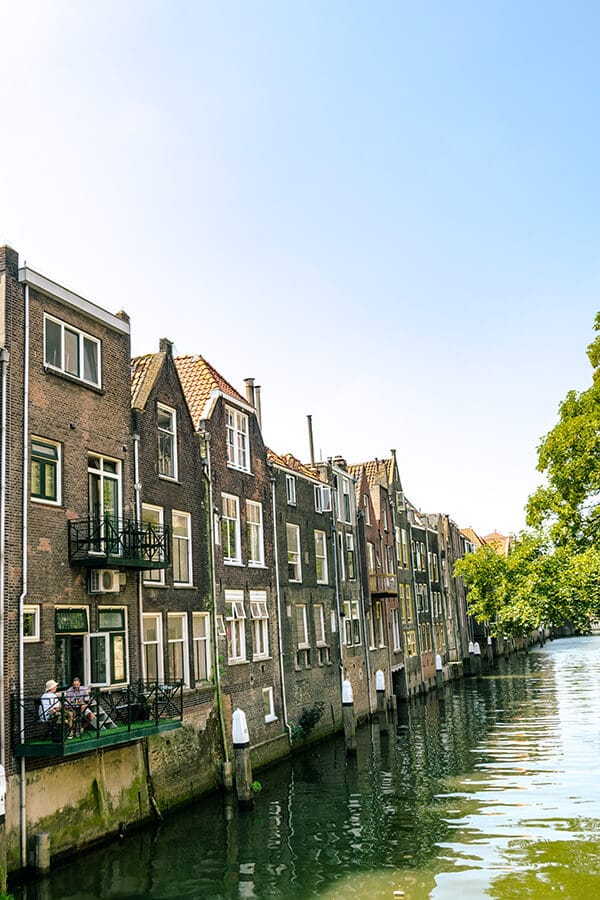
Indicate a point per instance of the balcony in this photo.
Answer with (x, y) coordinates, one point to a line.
(112, 717)
(118, 542)
(383, 584)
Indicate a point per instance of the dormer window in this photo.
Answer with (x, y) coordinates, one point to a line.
(71, 351)
(238, 454)
(167, 441)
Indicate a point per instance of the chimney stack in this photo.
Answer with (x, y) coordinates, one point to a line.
(249, 382)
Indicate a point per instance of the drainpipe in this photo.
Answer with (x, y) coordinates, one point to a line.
(363, 615)
(279, 616)
(337, 580)
(205, 438)
(4, 358)
(137, 487)
(22, 773)
(415, 601)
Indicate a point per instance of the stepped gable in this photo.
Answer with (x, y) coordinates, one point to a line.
(378, 471)
(199, 379)
(144, 371)
(289, 461)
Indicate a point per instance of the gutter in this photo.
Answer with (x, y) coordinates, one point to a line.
(21, 676)
(4, 359)
(279, 618)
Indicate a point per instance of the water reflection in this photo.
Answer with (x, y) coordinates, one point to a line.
(482, 791)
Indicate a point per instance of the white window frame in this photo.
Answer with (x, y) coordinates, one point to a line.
(396, 632)
(154, 577)
(350, 549)
(321, 554)
(367, 510)
(352, 635)
(237, 439)
(301, 610)
(268, 697)
(183, 641)
(226, 517)
(294, 552)
(259, 613)
(187, 538)
(319, 617)
(201, 645)
(342, 555)
(57, 463)
(345, 502)
(32, 609)
(82, 336)
(255, 527)
(290, 489)
(322, 498)
(371, 557)
(172, 433)
(236, 627)
(160, 675)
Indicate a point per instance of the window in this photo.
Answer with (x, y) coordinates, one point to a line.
(71, 351)
(370, 558)
(237, 439)
(301, 626)
(405, 556)
(367, 510)
(254, 531)
(45, 471)
(236, 626)
(177, 647)
(152, 647)
(31, 623)
(345, 511)
(340, 535)
(201, 645)
(322, 498)
(268, 706)
(293, 552)
(290, 489)
(104, 487)
(152, 522)
(396, 638)
(410, 643)
(319, 617)
(167, 442)
(230, 529)
(98, 658)
(351, 623)
(260, 624)
(385, 519)
(182, 548)
(390, 560)
(406, 599)
(321, 557)
(350, 555)
(108, 648)
(378, 624)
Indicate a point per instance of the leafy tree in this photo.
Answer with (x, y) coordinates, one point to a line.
(569, 456)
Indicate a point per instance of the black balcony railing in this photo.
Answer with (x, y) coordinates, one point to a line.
(110, 717)
(119, 542)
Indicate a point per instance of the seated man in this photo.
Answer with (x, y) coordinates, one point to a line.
(78, 700)
(50, 709)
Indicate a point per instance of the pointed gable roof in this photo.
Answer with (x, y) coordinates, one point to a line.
(289, 461)
(376, 470)
(199, 380)
(144, 372)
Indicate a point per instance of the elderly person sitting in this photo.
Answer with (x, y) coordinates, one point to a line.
(51, 708)
(77, 698)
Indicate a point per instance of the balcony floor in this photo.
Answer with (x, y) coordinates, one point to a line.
(92, 740)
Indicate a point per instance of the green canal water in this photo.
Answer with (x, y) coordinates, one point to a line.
(492, 791)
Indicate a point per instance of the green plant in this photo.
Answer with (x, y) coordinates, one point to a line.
(256, 787)
(307, 720)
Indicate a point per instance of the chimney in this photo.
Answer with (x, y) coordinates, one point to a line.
(340, 462)
(311, 445)
(249, 382)
(166, 346)
(258, 407)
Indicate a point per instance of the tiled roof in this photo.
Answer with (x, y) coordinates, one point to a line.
(198, 380)
(144, 370)
(378, 471)
(473, 537)
(289, 461)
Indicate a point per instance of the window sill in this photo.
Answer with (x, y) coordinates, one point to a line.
(73, 379)
(261, 658)
(178, 587)
(237, 662)
(233, 562)
(57, 504)
(253, 565)
(270, 718)
(154, 584)
(170, 478)
(239, 469)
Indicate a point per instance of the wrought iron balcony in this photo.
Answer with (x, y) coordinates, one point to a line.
(111, 717)
(119, 542)
(383, 584)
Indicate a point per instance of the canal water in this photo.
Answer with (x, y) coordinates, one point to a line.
(491, 791)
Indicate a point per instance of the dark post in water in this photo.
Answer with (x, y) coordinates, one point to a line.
(241, 752)
(348, 716)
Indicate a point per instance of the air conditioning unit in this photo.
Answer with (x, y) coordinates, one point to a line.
(104, 581)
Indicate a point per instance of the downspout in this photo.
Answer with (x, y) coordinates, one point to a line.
(4, 358)
(205, 438)
(137, 487)
(363, 615)
(279, 617)
(22, 773)
(334, 533)
(415, 601)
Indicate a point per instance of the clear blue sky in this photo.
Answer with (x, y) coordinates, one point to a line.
(386, 213)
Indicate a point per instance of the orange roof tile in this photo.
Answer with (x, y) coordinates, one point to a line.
(198, 380)
(377, 471)
(144, 370)
(289, 461)
(472, 536)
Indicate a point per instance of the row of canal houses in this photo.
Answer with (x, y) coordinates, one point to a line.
(151, 544)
